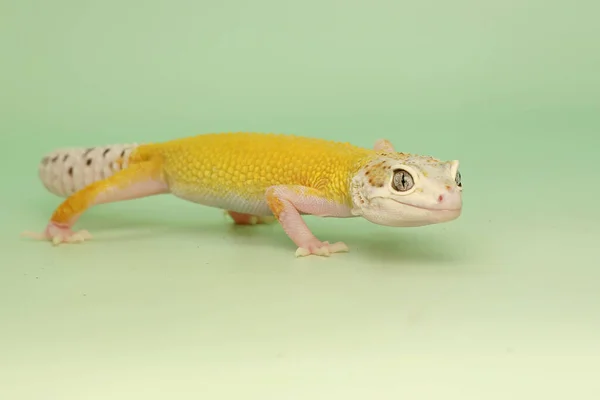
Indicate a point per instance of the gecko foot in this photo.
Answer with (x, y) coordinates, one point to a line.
(320, 248)
(59, 234)
(248, 219)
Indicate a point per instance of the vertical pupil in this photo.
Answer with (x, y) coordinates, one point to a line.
(402, 180)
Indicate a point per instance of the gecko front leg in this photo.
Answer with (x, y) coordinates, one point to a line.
(288, 203)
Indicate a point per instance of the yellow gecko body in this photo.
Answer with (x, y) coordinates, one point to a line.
(235, 170)
(257, 177)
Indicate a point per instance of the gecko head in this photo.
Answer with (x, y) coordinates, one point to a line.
(397, 189)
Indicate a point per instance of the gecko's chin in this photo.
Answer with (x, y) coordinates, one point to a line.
(404, 215)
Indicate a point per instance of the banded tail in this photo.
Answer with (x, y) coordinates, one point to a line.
(68, 170)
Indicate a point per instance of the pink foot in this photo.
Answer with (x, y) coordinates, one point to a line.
(319, 248)
(248, 219)
(60, 234)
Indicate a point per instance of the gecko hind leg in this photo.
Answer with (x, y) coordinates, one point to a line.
(134, 182)
(249, 219)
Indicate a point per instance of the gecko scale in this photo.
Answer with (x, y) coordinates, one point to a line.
(257, 178)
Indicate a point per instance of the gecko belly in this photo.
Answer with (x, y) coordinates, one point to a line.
(230, 201)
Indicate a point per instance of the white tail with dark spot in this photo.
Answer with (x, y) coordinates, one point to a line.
(68, 170)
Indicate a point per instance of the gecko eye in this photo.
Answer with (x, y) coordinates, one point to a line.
(457, 179)
(402, 181)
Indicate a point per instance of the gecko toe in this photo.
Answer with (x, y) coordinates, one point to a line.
(58, 235)
(324, 249)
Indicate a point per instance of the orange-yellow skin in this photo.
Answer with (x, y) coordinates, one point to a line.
(247, 164)
(244, 165)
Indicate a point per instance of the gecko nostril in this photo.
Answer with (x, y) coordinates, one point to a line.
(440, 198)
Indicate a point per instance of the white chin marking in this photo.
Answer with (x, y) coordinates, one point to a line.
(412, 217)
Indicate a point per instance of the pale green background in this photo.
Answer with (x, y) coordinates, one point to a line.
(170, 302)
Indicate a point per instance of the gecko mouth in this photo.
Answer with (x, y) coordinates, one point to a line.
(428, 209)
